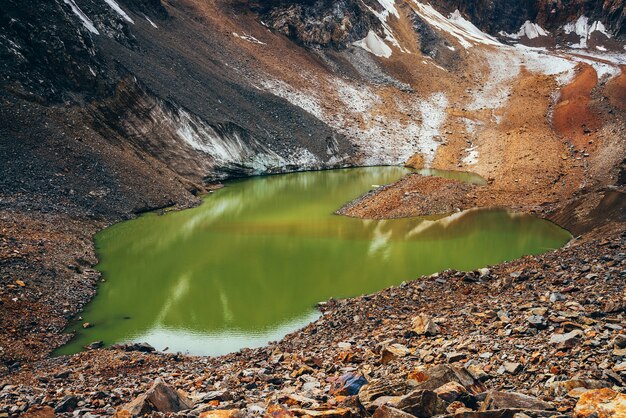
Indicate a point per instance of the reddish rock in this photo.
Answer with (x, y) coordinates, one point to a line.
(601, 403)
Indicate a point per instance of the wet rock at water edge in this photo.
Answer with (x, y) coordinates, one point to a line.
(95, 345)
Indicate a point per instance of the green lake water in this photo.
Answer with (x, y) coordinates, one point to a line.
(249, 264)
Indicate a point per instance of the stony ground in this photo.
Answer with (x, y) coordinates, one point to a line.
(550, 327)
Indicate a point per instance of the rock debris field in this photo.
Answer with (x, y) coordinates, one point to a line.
(538, 337)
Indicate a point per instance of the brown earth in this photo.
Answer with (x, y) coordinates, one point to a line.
(413, 195)
(573, 119)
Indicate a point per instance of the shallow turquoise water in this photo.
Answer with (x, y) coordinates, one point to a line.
(250, 263)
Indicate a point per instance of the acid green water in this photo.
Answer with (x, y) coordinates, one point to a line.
(250, 263)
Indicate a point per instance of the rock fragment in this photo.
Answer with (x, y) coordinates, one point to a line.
(159, 398)
(424, 325)
(601, 403)
(512, 400)
(422, 403)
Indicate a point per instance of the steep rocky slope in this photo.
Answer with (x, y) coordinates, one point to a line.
(109, 109)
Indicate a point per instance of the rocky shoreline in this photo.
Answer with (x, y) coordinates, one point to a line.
(549, 328)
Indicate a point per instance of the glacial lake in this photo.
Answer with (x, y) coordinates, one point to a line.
(249, 265)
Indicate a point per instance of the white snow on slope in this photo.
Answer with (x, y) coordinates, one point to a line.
(87, 23)
(373, 44)
(304, 100)
(119, 10)
(529, 30)
(389, 9)
(232, 149)
(456, 25)
(582, 28)
(151, 22)
(248, 38)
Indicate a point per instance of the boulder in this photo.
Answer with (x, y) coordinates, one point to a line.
(604, 403)
(422, 403)
(438, 376)
(393, 351)
(348, 385)
(567, 340)
(566, 386)
(424, 325)
(159, 398)
(391, 412)
(513, 400)
(451, 391)
(67, 404)
(380, 388)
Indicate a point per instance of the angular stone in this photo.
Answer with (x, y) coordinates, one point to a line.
(620, 341)
(379, 388)
(67, 404)
(438, 376)
(393, 351)
(451, 391)
(454, 356)
(513, 400)
(567, 340)
(601, 403)
(390, 412)
(512, 368)
(422, 403)
(348, 385)
(424, 325)
(566, 386)
(159, 398)
(537, 321)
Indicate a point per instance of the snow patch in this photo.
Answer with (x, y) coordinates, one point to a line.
(373, 44)
(538, 60)
(389, 8)
(119, 10)
(433, 113)
(464, 31)
(249, 38)
(87, 23)
(583, 29)
(503, 68)
(305, 101)
(151, 22)
(529, 30)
